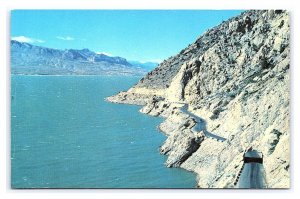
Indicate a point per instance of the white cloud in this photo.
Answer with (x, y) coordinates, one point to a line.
(27, 39)
(67, 38)
(104, 53)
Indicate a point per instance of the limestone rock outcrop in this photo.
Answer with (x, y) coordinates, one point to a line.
(235, 77)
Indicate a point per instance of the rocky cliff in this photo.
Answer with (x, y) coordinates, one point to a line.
(235, 80)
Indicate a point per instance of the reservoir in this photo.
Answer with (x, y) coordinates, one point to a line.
(65, 135)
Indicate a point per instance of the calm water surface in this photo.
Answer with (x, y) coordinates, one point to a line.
(64, 135)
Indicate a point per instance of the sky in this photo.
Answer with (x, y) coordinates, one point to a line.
(142, 35)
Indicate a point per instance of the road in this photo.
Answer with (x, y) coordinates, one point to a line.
(200, 125)
(252, 174)
(253, 154)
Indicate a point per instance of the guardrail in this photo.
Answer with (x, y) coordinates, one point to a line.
(239, 175)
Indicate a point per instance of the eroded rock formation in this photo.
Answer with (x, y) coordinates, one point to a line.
(235, 77)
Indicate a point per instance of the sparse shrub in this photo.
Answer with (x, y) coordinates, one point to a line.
(278, 11)
(216, 113)
(241, 27)
(265, 28)
(281, 24)
(254, 47)
(264, 63)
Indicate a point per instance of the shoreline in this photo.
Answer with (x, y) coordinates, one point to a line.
(185, 129)
(217, 163)
(112, 99)
(165, 132)
(241, 93)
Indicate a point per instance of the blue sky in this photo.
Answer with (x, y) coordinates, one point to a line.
(144, 35)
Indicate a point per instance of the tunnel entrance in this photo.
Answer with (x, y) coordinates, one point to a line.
(251, 176)
(253, 156)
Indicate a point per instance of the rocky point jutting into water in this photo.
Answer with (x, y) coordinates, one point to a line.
(225, 93)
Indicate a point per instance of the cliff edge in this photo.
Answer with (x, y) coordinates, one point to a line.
(233, 84)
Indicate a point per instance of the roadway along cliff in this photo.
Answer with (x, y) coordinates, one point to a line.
(235, 80)
(252, 176)
(200, 125)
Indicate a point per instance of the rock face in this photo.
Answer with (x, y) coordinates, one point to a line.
(36, 60)
(235, 77)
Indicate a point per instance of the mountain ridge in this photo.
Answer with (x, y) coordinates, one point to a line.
(30, 59)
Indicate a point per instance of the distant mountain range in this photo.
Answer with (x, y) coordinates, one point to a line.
(29, 59)
(146, 65)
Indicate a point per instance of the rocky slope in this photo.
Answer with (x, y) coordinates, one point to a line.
(31, 60)
(235, 78)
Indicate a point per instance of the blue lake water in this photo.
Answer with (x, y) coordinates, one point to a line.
(64, 135)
